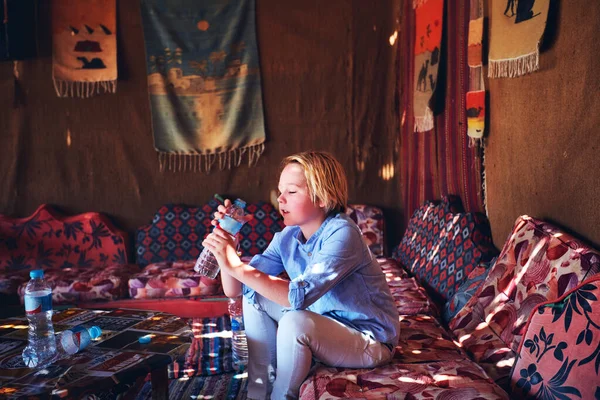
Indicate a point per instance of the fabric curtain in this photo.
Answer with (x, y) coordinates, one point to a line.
(440, 161)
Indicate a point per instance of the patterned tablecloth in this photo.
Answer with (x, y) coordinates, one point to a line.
(112, 361)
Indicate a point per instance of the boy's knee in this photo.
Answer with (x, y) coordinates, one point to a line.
(296, 324)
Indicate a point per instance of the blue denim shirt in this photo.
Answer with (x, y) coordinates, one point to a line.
(333, 274)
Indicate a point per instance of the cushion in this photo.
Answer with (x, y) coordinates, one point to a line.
(455, 379)
(559, 355)
(371, 223)
(177, 231)
(73, 285)
(171, 279)
(466, 290)
(538, 263)
(48, 239)
(463, 241)
(424, 225)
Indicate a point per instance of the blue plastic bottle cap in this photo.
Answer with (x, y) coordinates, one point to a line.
(240, 203)
(145, 339)
(36, 273)
(95, 332)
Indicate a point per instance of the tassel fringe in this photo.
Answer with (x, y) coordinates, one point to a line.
(424, 123)
(83, 89)
(514, 67)
(205, 162)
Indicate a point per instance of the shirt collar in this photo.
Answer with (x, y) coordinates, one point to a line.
(315, 235)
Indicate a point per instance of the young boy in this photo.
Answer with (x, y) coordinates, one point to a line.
(337, 308)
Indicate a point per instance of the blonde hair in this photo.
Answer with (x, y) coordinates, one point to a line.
(325, 178)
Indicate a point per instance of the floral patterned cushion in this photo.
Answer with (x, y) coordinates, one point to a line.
(171, 279)
(371, 223)
(47, 239)
(73, 285)
(538, 263)
(456, 379)
(559, 356)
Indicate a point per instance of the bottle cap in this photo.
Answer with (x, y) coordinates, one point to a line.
(36, 273)
(144, 339)
(240, 203)
(95, 332)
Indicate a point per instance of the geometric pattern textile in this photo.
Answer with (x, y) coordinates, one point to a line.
(559, 356)
(423, 229)
(466, 290)
(464, 240)
(177, 231)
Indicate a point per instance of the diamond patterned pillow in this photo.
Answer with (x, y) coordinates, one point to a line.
(424, 226)
(177, 231)
(463, 242)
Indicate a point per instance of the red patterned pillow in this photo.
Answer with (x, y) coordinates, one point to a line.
(559, 356)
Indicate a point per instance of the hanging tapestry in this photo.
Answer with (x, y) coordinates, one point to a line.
(428, 42)
(476, 94)
(18, 31)
(204, 83)
(516, 32)
(84, 47)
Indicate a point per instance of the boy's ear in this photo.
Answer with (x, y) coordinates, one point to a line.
(321, 203)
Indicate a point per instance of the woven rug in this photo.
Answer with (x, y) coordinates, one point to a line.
(428, 42)
(84, 47)
(229, 386)
(204, 83)
(516, 31)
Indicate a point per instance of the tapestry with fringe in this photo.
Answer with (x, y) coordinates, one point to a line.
(476, 93)
(84, 47)
(439, 162)
(516, 31)
(428, 41)
(204, 83)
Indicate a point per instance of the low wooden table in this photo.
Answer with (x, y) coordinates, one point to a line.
(111, 362)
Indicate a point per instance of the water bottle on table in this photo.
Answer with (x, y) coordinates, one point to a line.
(75, 339)
(232, 222)
(239, 343)
(41, 349)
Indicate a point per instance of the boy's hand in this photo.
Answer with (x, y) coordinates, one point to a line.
(223, 246)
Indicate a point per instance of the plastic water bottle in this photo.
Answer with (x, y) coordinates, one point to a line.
(41, 349)
(75, 339)
(232, 222)
(239, 343)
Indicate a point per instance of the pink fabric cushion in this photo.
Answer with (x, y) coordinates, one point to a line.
(371, 223)
(559, 356)
(538, 263)
(172, 279)
(73, 285)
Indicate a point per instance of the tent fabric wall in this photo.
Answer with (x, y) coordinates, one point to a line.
(328, 73)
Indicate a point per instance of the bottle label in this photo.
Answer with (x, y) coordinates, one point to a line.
(237, 325)
(37, 304)
(230, 225)
(77, 337)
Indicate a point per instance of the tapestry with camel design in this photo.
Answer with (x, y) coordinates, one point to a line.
(428, 41)
(204, 83)
(84, 47)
